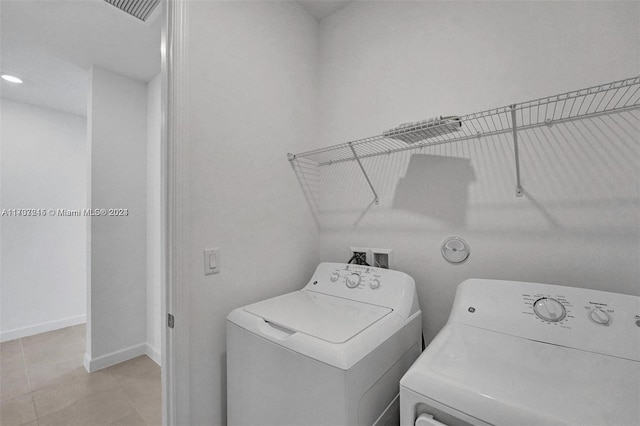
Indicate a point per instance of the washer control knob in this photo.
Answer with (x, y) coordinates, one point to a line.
(353, 280)
(599, 316)
(375, 283)
(334, 276)
(549, 309)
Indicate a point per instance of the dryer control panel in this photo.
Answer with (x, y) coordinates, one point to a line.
(591, 320)
(377, 286)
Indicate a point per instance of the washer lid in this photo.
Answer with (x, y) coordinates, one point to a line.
(330, 318)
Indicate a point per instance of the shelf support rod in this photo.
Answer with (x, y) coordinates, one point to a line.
(364, 172)
(515, 148)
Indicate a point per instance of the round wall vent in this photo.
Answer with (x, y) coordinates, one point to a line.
(455, 250)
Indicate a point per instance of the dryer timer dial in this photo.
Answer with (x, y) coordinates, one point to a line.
(549, 309)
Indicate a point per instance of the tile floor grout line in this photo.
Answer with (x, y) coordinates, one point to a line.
(24, 362)
(33, 402)
(120, 386)
(126, 395)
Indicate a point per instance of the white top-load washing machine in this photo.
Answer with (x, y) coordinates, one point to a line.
(515, 353)
(332, 353)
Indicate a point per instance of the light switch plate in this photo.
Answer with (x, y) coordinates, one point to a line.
(211, 261)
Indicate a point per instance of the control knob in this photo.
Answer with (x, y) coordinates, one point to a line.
(353, 280)
(375, 283)
(334, 276)
(599, 316)
(549, 309)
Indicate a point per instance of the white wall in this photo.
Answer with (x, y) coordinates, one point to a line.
(154, 209)
(251, 97)
(117, 126)
(386, 63)
(43, 259)
(257, 74)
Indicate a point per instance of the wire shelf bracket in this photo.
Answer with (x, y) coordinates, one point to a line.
(602, 99)
(514, 125)
(366, 176)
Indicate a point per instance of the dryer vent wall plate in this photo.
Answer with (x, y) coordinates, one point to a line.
(455, 250)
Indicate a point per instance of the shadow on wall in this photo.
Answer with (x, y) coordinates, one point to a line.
(308, 174)
(437, 187)
(578, 177)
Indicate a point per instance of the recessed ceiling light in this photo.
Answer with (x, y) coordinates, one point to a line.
(11, 78)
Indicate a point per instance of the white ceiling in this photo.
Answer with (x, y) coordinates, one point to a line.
(320, 9)
(52, 44)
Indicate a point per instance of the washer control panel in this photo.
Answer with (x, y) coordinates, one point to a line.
(358, 277)
(596, 321)
(377, 286)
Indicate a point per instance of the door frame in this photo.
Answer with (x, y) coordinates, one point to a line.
(175, 294)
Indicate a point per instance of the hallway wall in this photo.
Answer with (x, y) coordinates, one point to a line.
(43, 259)
(117, 305)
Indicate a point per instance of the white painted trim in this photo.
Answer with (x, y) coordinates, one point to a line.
(89, 205)
(104, 361)
(166, 373)
(18, 333)
(86, 361)
(153, 354)
(154, 15)
(175, 139)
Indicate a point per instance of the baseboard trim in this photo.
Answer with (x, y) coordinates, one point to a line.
(18, 333)
(154, 355)
(104, 361)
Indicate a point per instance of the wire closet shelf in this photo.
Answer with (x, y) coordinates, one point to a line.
(593, 101)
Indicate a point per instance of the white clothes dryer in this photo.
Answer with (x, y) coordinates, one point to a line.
(332, 353)
(516, 353)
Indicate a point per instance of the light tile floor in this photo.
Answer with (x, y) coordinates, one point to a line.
(43, 382)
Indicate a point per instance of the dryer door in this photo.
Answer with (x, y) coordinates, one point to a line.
(330, 318)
